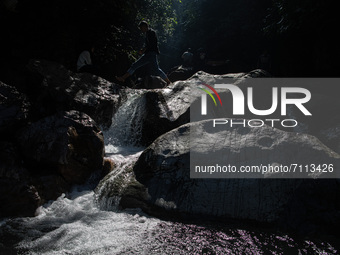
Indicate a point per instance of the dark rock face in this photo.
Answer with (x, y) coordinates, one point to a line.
(56, 148)
(50, 187)
(68, 143)
(18, 195)
(14, 109)
(63, 90)
(163, 168)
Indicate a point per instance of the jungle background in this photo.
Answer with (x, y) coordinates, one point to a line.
(300, 35)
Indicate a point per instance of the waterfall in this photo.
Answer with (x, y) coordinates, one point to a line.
(110, 189)
(127, 124)
(121, 141)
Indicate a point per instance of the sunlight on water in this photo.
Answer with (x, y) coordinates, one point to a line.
(75, 225)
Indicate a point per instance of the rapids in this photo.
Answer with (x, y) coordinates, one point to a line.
(88, 222)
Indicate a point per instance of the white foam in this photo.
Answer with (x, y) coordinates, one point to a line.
(80, 227)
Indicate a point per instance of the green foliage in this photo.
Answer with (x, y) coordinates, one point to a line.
(122, 39)
(114, 44)
(161, 16)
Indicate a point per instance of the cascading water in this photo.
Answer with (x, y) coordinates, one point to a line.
(88, 222)
(126, 125)
(120, 144)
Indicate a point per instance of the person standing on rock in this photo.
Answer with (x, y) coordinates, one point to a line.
(149, 55)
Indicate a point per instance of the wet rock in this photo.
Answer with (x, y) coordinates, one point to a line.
(134, 196)
(61, 89)
(51, 187)
(67, 143)
(18, 195)
(14, 109)
(163, 168)
(120, 189)
(108, 166)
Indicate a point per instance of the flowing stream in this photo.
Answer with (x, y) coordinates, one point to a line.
(85, 222)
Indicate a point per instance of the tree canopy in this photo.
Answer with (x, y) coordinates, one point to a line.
(300, 35)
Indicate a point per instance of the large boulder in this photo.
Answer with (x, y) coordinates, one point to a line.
(67, 143)
(18, 195)
(164, 170)
(60, 89)
(21, 190)
(14, 109)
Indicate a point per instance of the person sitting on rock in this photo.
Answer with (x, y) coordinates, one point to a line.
(84, 63)
(187, 58)
(149, 55)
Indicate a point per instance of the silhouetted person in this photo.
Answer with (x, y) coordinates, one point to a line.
(149, 54)
(187, 58)
(84, 63)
